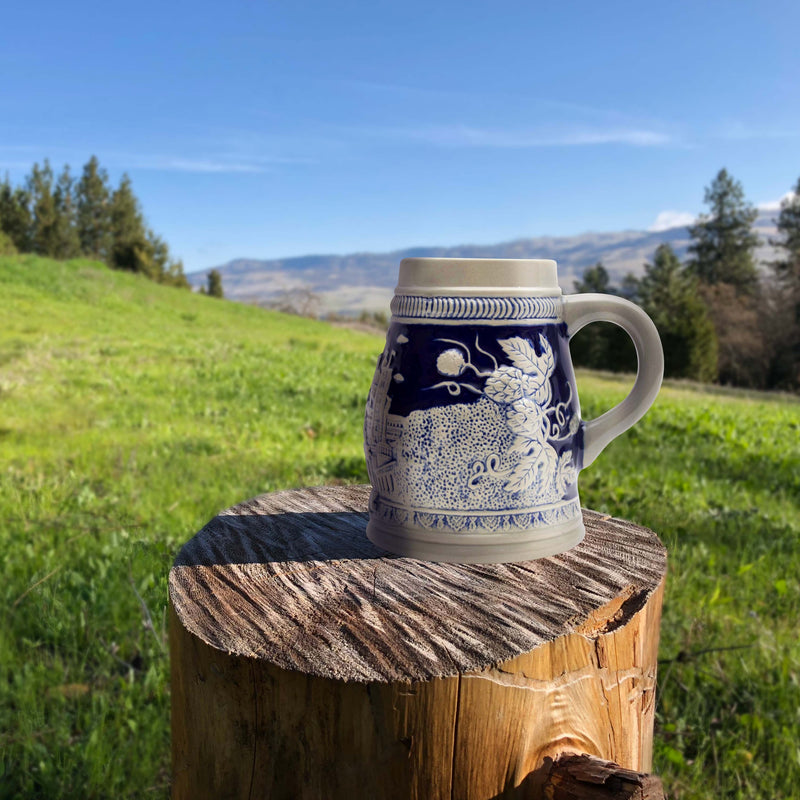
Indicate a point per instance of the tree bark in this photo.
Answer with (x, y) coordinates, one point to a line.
(583, 777)
(306, 663)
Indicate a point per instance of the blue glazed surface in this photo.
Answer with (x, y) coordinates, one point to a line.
(474, 427)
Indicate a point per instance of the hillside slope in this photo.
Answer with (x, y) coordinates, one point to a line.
(130, 413)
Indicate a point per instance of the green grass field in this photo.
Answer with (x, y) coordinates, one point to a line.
(130, 413)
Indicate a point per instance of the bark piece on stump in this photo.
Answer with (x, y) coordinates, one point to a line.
(582, 777)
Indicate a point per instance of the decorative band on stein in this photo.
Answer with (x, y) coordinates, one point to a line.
(473, 432)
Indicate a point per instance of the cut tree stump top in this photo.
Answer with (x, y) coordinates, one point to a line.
(291, 578)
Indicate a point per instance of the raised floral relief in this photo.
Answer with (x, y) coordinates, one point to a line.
(501, 459)
(524, 392)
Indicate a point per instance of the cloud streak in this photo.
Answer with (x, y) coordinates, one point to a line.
(201, 164)
(15, 165)
(739, 131)
(465, 136)
(221, 163)
(510, 98)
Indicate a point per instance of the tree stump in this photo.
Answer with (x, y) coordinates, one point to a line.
(307, 663)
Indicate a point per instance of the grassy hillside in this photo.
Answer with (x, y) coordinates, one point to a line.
(130, 413)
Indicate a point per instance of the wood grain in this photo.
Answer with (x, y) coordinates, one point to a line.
(247, 729)
(291, 578)
(306, 663)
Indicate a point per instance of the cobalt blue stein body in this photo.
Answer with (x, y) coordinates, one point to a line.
(473, 432)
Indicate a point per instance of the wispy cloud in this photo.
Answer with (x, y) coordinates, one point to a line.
(671, 219)
(740, 131)
(220, 162)
(202, 164)
(14, 165)
(465, 136)
(511, 99)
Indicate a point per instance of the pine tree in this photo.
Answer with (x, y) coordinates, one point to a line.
(670, 297)
(66, 240)
(63, 219)
(723, 242)
(130, 248)
(785, 321)
(175, 275)
(595, 279)
(787, 269)
(168, 270)
(15, 215)
(601, 345)
(7, 247)
(159, 254)
(44, 233)
(215, 284)
(92, 207)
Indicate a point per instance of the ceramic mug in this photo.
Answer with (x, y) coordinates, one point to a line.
(473, 433)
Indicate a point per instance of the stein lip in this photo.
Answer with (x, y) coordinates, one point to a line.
(478, 276)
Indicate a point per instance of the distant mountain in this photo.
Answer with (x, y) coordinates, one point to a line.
(364, 281)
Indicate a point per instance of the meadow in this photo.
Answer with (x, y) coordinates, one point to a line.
(131, 413)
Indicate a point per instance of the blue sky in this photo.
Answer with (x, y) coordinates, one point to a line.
(272, 129)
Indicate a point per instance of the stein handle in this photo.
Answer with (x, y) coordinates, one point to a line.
(582, 309)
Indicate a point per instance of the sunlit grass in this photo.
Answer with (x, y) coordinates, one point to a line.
(131, 413)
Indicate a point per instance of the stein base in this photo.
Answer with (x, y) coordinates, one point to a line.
(477, 548)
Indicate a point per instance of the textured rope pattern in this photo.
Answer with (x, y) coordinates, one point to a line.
(472, 308)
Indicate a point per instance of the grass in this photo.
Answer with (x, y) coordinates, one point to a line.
(718, 476)
(131, 413)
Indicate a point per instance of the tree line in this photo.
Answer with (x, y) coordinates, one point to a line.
(719, 318)
(67, 217)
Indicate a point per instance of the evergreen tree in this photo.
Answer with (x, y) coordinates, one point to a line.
(787, 269)
(215, 284)
(723, 242)
(130, 248)
(601, 345)
(785, 321)
(595, 279)
(67, 243)
(63, 219)
(175, 276)
(670, 297)
(15, 215)
(159, 254)
(44, 233)
(169, 271)
(7, 247)
(92, 211)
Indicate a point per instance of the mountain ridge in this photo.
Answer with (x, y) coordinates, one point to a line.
(364, 281)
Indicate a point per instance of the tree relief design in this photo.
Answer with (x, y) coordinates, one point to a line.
(523, 390)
